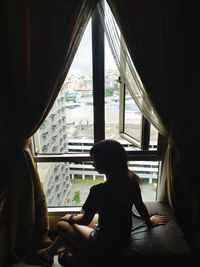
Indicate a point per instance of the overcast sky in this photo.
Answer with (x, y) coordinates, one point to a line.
(83, 57)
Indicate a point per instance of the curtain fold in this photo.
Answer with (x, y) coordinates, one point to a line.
(162, 40)
(127, 69)
(38, 43)
(139, 93)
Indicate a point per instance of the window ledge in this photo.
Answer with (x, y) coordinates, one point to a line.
(63, 210)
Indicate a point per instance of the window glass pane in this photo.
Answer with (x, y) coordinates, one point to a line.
(79, 96)
(132, 118)
(68, 184)
(112, 98)
(153, 138)
(64, 124)
(55, 179)
(111, 95)
(148, 172)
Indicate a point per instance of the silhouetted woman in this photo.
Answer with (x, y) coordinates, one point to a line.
(105, 222)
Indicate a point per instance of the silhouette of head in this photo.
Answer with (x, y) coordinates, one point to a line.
(109, 157)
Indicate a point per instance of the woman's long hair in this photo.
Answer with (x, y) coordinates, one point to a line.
(113, 157)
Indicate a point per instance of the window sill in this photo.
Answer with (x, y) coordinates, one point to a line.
(60, 211)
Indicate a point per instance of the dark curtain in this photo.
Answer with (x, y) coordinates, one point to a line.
(38, 43)
(163, 40)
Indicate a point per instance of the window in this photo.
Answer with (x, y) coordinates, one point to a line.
(93, 104)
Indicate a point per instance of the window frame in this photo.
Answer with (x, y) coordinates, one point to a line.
(99, 113)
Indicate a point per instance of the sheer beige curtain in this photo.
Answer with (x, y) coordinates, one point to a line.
(138, 92)
(38, 43)
(126, 67)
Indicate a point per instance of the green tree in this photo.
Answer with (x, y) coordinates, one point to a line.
(109, 91)
(77, 197)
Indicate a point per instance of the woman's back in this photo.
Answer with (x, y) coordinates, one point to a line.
(114, 203)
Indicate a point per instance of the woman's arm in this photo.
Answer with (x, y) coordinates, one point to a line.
(82, 219)
(89, 209)
(150, 221)
(158, 219)
(142, 210)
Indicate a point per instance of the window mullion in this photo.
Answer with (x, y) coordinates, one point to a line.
(145, 137)
(121, 107)
(98, 76)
